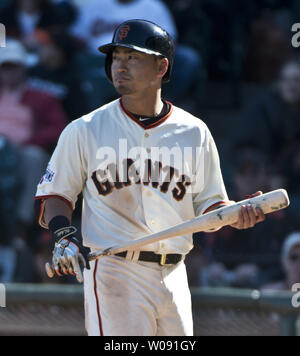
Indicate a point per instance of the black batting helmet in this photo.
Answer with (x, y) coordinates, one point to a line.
(143, 36)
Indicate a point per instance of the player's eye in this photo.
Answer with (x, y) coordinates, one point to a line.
(132, 56)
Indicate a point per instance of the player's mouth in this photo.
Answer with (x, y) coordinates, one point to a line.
(121, 78)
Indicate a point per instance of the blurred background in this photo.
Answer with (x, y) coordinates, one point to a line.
(235, 68)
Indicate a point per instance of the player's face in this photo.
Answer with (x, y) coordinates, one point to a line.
(134, 72)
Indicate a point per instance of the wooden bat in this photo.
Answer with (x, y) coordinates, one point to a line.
(268, 203)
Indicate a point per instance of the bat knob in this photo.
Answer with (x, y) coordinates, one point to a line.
(49, 270)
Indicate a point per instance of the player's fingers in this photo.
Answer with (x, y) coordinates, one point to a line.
(66, 271)
(243, 217)
(257, 193)
(260, 215)
(240, 221)
(56, 266)
(58, 271)
(49, 270)
(246, 218)
(82, 260)
(237, 225)
(251, 214)
(71, 271)
(62, 267)
(67, 265)
(76, 268)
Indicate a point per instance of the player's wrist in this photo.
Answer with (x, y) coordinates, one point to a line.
(58, 222)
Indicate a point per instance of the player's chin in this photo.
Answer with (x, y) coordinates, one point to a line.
(123, 89)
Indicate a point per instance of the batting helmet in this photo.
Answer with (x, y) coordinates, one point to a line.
(143, 36)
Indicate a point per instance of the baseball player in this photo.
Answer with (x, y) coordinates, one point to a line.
(142, 165)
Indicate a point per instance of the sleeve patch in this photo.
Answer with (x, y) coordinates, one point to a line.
(48, 176)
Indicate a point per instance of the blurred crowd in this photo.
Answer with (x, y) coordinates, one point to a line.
(234, 67)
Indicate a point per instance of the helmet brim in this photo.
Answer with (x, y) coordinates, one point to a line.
(108, 48)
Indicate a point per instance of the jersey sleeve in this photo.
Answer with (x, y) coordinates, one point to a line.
(210, 191)
(65, 175)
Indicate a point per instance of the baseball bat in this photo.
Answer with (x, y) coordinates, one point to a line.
(268, 203)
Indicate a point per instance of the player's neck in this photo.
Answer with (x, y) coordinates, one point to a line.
(144, 105)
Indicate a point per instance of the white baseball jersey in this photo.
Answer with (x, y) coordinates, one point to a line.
(135, 180)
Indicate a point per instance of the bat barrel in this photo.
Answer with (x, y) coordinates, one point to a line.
(268, 203)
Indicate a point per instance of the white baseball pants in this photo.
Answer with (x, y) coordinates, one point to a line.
(125, 298)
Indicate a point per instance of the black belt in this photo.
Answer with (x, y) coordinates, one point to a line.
(148, 256)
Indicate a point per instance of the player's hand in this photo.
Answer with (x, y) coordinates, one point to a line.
(248, 216)
(68, 255)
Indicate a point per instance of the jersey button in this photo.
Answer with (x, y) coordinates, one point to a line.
(147, 134)
(148, 150)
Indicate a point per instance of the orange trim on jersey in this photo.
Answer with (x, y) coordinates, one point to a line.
(214, 206)
(146, 127)
(41, 213)
(42, 206)
(97, 299)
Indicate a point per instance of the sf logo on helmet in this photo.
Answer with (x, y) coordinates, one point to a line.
(123, 33)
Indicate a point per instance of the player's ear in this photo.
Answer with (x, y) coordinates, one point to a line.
(163, 66)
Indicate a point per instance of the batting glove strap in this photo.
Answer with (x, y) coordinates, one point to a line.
(67, 232)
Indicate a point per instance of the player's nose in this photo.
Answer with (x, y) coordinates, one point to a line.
(120, 66)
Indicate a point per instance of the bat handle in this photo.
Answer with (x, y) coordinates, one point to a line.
(95, 255)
